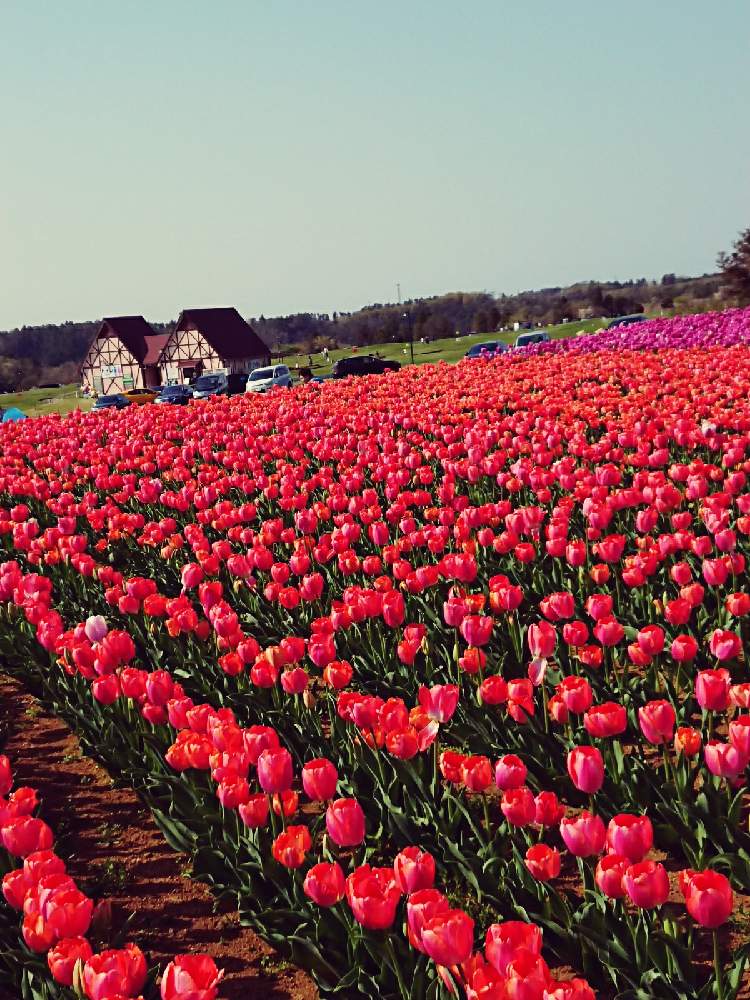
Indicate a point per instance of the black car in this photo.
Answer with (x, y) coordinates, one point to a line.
(114, 402)
(175, 395)
(489, 348)
(365, 364)
(626, 321)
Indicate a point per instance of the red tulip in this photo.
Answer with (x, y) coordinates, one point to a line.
(439, 702)
(541, 639)
(505, 941)
(422, 906)
(493, 690)
(528, 976)
(687, 741)
(651, 640)
(290, 847)
(476, 773)
(414, 869)
(599, 606)
(275, 770)
(739, 734)
(575, 633)
(518, 806)
(476, 629)
(646, 884)
(62, 958)
(724, 760)
(609, 631)
(725, 645)
(25, 835)
(548, 810)
(6, 775)
(712, 689)
(191, 977)
(657, 721)
(576, 693)
(570, 989)
(708, 897)
(373, 896)
(630, 836)
(543, 862)
(451, 763)
(254, 812)
(510, 772)
(325, 884)
(583, 834)
(345, 822)
(609, 875)
(684, 649)
(586, 769)
(319, 779)
(118, 971)
(448, 937)
(607, 719)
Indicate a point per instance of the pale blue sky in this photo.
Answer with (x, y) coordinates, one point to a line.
(287, 156)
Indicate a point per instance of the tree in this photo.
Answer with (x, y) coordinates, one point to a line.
(735, 267)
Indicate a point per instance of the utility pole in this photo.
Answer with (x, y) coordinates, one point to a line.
(407, 317)
(398, 291)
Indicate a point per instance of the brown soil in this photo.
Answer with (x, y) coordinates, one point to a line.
(115, 851)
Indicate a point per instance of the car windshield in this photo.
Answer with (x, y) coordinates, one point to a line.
(261, 373)
(207, 382)
(480, 348)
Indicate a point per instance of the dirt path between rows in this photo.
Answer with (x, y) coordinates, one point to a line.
(115, 851)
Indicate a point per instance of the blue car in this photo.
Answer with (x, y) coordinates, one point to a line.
(114, 402)
(488, 349)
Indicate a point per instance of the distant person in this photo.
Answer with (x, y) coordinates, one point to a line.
(325, 354)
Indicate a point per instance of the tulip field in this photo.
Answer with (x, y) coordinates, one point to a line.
(440, 676)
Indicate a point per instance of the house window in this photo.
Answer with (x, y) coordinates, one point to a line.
(98, 385)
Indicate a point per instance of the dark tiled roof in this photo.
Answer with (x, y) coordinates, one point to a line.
(225, 330)
(154, 346)
(133, 331)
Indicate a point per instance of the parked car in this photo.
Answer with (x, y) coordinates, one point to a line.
(365, 364)
(175, 395)
(141, 396)
(490, 347)
(272, 377)
(317, 379)
(211, 384)
(626, 321)
(117, 401)
(536, 337)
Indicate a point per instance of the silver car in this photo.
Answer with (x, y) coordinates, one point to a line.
(263, 379)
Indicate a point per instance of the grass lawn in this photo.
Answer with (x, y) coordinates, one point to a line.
(36, 402)
(450, 349)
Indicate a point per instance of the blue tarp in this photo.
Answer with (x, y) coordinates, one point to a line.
(13, 413)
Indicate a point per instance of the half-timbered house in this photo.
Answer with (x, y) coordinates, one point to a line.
(211, 340)
(124, 355)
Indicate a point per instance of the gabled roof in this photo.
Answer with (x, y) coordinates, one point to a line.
(155, 346)
(225, 330)
(135, 333)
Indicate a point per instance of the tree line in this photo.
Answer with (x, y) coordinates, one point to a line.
(35, 355)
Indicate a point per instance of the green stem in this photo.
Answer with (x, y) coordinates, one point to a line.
(396, 968)
(717, 969)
